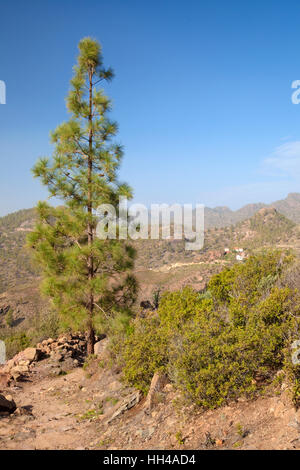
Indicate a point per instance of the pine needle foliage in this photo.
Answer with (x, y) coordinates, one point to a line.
(88, 279)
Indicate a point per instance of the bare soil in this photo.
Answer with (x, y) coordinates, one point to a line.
(73, 411)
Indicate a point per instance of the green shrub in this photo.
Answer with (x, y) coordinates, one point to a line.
(249, 280)
(144, 352)
(9, 318)
(213, 345)
(213, 364)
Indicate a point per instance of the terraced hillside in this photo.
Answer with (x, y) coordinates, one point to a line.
(161, 264)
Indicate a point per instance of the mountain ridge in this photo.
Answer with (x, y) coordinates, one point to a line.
(222, 216)
(219, 216)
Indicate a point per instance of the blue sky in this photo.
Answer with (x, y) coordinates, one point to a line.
(202, 94)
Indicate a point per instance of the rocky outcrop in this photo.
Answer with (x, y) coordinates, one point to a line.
(29, 355)
(158, 382)
(19, 365)
(7, 404)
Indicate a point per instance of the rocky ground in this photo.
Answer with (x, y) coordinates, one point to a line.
(54, 402)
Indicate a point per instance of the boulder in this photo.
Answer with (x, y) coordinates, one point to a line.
(7, 404)
(100, 347)
(29, 354)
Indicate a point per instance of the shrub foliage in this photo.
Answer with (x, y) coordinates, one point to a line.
(224, 342)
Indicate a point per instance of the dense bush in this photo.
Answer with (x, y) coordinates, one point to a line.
(144, 353)
(218, 344)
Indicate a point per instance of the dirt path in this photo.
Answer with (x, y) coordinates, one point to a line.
(74, 411)
(59, 412)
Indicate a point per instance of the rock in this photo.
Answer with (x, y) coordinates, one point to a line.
(67, 364)
(66, 428)
(19, 370)
(29, 354)
(146, 305)
(22, 411)
(56, 356)
(56, 371)
(127, 404)
(63, 351)
(9, 364)
(158, 382)
(63, 339)
(16, 376)
(24, 363)
(7, 404)
(100, 347)
(5, 379)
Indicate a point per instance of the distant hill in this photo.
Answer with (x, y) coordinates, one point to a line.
(223, 216)
(163, 264)
(266, 227)
(251, 226)
(17, 220)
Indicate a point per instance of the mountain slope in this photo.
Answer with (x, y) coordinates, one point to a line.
(265, 226)
(223, 216)
(15, 264)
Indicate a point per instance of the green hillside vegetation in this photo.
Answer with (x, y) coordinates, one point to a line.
(265, 228)
(15, 263)
(227, 341)
(12, 221)
(268, 227)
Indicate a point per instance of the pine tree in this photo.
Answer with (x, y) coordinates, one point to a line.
(88, 279)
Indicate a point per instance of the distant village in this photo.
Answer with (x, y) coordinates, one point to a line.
(240, 254)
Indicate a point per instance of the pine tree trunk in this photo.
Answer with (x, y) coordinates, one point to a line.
(90, 338)
(91, 331)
